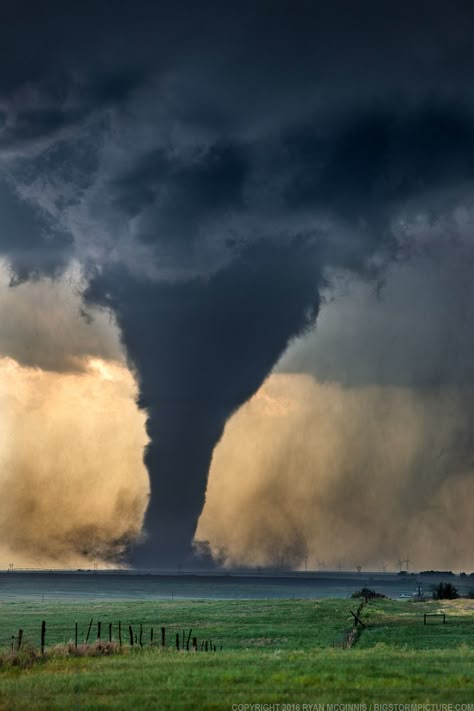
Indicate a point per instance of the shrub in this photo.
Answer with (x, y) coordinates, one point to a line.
(23, 658)
(28, 655)
(367, 593)
(445, 591)
(96, 649)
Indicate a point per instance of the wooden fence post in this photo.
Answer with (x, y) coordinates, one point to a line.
(151, 636)
(98, 631)
(188, 640)
(20, 637)
(357, 619)
(141, 635)
(177, 641)
(110, 632)
(120, 633)
(75, 635)
(195, 644)
(43, 635)
(163, 632)
(131, 635)
(89, 630)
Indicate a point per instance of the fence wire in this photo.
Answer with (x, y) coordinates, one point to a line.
(47, 634)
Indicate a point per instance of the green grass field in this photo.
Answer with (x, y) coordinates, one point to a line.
(274, 651)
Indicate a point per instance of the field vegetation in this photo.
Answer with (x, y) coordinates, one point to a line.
(273, 651)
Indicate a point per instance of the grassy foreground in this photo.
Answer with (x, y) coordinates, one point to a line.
(273, 652)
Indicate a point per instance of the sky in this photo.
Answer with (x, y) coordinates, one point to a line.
(236, 248)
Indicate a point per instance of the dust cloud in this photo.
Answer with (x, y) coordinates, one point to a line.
(318, 475)
(73, 484)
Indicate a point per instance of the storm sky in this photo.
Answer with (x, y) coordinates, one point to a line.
(228, 204)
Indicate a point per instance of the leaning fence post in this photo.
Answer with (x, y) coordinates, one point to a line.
(89, 630)
(189, 637)
(43, 635)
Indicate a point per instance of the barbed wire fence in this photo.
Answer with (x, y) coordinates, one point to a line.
(47, 634)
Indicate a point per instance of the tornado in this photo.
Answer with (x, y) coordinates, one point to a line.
(201, 349)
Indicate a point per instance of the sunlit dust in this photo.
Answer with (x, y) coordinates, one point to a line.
(343, 477)
(73, 484)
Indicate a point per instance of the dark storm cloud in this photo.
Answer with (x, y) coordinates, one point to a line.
(358, 170)
(32, 245)
(183, 194)
(414, 332)
(211, 161)
(382, 156)
(238, 63)
(50, 113)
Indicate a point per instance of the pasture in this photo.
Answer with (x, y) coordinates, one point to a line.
(273, 652)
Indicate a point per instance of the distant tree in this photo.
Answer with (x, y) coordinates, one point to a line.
(437, 572)
(367, 593)
(445, 591)
(471, 594)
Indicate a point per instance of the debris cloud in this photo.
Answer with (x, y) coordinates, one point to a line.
(73, 484)
(318, 475)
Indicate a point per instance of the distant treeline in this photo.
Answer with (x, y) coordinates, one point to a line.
(445, 573)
